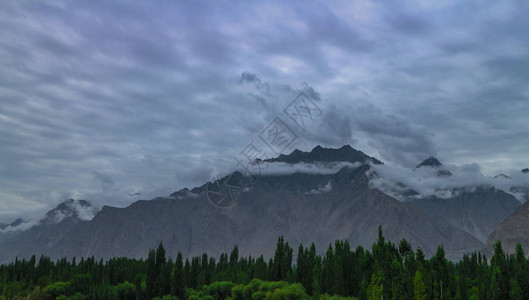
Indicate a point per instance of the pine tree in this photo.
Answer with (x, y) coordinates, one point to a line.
(178, 288)
(278, 259)
(462, 289)
(151, 275)
(162, 272)
(419, 288)
(316, 275)
(338, 281)
(500, 276)
(233, 265)
(282, 263)
(375, 289)
(327, 271)
(187, 274)
(522, 271)
(302, 266)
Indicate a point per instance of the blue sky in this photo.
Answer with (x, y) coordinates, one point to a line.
(99, 99)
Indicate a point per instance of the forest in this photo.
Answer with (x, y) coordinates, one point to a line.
(386, 271)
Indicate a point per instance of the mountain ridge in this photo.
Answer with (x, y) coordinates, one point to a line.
(303, 207)
(345, 153)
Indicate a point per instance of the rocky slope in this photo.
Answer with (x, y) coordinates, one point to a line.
(43, 236)
(513, 230)
(9, 230)
(477, 212)
(477, 208)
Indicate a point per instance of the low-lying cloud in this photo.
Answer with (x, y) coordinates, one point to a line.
(280, 168)
(396, 181)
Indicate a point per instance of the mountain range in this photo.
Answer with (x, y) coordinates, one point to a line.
(304, 206)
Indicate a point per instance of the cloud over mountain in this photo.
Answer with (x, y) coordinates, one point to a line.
(97, 102)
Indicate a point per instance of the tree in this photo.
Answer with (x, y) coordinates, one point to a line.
(522, 271)
(163, 272)
(80, 283)
(515, 292)
(57, 289)
(462, 289)
(233, 271)
(419, 288)
(316, 281)
(151, 275)
(375, 289)
(327, 283)
(500, 275)
(178, 288)
(125, 291)
(282, 263)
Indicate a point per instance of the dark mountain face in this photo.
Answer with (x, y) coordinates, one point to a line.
(526, 170)
(320, 154)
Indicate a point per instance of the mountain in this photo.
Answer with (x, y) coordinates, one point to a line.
(514, 229)
(475, 211)
(434, 163)
(302, 207)
(320, 154)
(503, 176)
(44, 235)
(8, 230)
(430, 162)
(517, 184)
(184, 193)
(275, 205)
(13, 224)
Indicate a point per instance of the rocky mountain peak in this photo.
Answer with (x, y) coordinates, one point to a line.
(430, 162)
(70, 209)
(345, 153)
(526, 171)
(502, 176)
(434, 163)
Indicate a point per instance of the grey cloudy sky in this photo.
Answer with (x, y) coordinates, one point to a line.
(99, 99)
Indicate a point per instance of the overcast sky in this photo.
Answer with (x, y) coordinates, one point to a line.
(100, 99)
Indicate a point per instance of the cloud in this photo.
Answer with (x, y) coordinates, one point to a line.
(397, 181)
(151, 95)
(21, 227)
(279, 168)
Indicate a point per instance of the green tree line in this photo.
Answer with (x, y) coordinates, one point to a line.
(386, 271)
